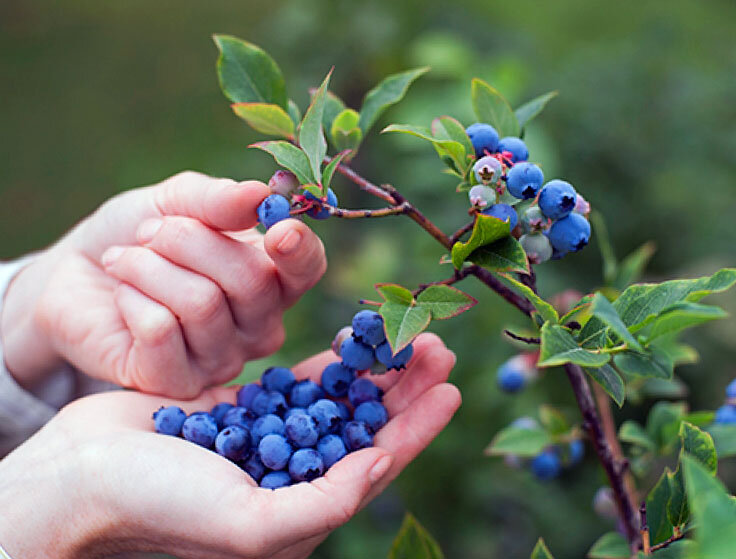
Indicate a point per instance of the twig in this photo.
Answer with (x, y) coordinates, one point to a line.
(364, 184)
(459, 275)
(530, 279)
(644, 529)
(360, 214)
(490, 280)
(528, 340)
(457, 235)
(668, 541)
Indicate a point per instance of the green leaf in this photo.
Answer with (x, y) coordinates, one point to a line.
(414, 542)
(247, 74)
(679, 316)
(294, 113)
(491, 107)
(504, 255)
(604, 311)
(403, 323)
(447, 128)
(331, 167)
(531, 109)
(315, 190)
(610, 381)
(553, 420)
(631, 432)
(389, 92)
(540, 551)
(266, 118)
(659, 525)
(653, 363)
(632, 267)
(713, 511)
(333, 107)
(610, 546)
(444, 301)
(311, 136)
(545, 310)
(395, 293)
(518, 441)
(724, 437)
(559, 347)
(289, 156)
(662, 415)
(344, 132)
(486, 230)
(445, 148)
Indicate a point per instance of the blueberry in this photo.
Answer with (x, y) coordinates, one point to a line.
(336, 379)
(332, 448)
(269, 402)
(731, 390)
(200, 428)
(557, 199)
(537, 247)
(547, 465)
(321, 213)
(301, 430)
(368, 327)
(306, 464)
(305, 392)
(363, 390)
(239, 416)
(372, 414)
(284, 183)
(266, 425)
(487, 169)
(524, 180)
(274, 451)
(246, 394)
(515, 146)
(725, 415)
(326, 415)
(482, 196)
(279, 379)
(273, 209)
(533, 220)
(356, 435)
(253, 466)
(570, 233)
(233, 443)
(168, 421)
(274, 480)
(344, 333)
(504, 212)
(344, 412)
(483, 137)
(294, 411)
(577, 451)
(398, 361)
(357, 355)
(510, 377)
(604, 503)
(219, 411)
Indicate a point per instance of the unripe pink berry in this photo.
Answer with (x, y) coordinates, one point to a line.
(284, 183)
(340, 337)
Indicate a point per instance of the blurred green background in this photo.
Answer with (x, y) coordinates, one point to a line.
(97, 97)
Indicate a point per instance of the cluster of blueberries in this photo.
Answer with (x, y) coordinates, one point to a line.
(277, 205)
(549, 463)
(726, 414)
(516, 373)
(555, 224)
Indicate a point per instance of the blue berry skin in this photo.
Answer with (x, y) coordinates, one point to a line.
(326, 415)
(577, 451)
(294, 411)
(233, 443)
(246, 394)
(253, 466)
(279, 379)
(372, 414)
(268, 424)
(557, 199)
(363, 390)
(510, 378)
(269, 402)
(274, 451)
(524, 180)
(398, 361)
(483, 137)
(344, 411)
(525, 422)
(306, 464)
(301, 430)
(332, 448)
(305, 392)
(731, 390)
(368, 327)
(504, 212)
(274, 480)
(239, 416)
(515, 146)
(725, 415)
(321, 213)
(219, 410)
(168, 421)
(336, 379)
(569, 234)
(273, 209)
(356, 435)
(547, 465)
(357, 355)
(200, 428)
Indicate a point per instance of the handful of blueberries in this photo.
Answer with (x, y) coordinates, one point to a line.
(284, 431)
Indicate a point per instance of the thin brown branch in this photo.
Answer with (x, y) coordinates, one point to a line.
(457, 235)
(364, 184)
(530, 279)
(459, 275)
(644, 529)
(361, 214)
(668, 541)
(525, 339)
(490, 280)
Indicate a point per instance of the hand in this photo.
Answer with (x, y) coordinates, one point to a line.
(97, 479)
(166, 289)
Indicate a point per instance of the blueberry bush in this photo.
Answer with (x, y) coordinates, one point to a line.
(613, 346)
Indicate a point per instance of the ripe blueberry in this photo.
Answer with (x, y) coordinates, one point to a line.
(356, 355)
(557, 199)
(168, 421)
(274, 480)
(344, 411)
(327, 416)
(273, 209)
(320, 212)
(510, 377)
(269, 402)
(305, 392)
(218, 412)
(253, 465)
(372, 414)
(731, 390)
(547, 465)
(274, 451)
(537, 247)
(524, 180)
(301, 430)
(279, 379)
(246, 394)
(239, 416)
(487, 169)
(483, 137)
(306, 464)
(233, 443)
(515, 146)
(294, 411)
(363, 390)
(570, 233)
(504, 212)
(356, 435)
(398, 361)
(576, 451)
(332, 448)
(268, 424)
(336, 379)
(368, 327)
(725, 415)
(200, 428)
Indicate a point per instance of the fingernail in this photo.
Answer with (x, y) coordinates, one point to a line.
(111, 255)
(380, 468)
(290, 242)
(148, 229)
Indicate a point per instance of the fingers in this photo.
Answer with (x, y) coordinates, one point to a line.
(220, 203)
(299, 256)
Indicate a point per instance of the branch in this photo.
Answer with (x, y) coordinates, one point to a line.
(614, 468)
(359, 214)
(668, 541)
(458, 276)
(490, 280)
(457, 235)
(364, 184)
(530, 341)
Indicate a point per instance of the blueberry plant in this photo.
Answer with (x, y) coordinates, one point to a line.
(617, 343)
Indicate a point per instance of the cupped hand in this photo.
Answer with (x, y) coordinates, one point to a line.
(97, 480)
(167, 289)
